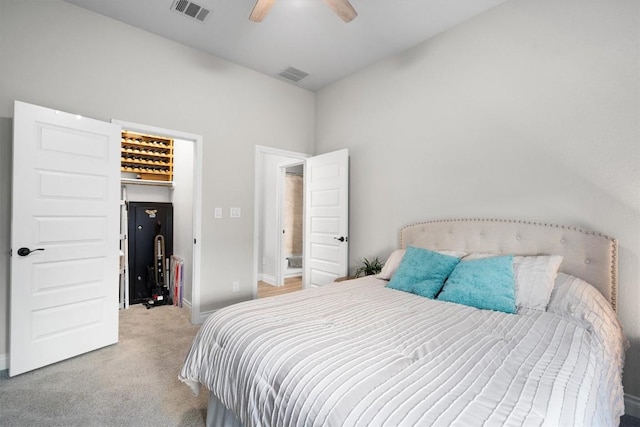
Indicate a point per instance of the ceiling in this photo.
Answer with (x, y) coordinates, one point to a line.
(304, 34)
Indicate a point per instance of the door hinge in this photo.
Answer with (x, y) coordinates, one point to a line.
(194, 241)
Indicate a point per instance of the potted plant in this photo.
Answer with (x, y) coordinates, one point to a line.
(369, 267)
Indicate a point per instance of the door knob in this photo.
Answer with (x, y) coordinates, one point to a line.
(27, 251)
(342, 239)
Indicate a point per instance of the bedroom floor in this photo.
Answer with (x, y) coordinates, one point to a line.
(291, 284)
(132, 383)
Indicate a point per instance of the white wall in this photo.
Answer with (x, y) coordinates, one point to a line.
(528, 111)
(61, 56)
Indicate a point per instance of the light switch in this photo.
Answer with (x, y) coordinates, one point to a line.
(217, 213)
(234, 212)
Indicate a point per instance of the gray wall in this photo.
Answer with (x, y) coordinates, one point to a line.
(528, 111)
(60, 56)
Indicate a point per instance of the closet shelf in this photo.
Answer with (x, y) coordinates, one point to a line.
(146, 153)
(150, 157)
(131, 181)
(131, 161)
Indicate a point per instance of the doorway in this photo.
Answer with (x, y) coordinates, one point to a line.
(187, 200)
(290, 218)
(326, 215)
(271, 166)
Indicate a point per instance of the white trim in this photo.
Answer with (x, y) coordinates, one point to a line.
(259, 151)
(293, 273)
(632, 405)
(4, 362)
(197, 201)
(203, 315)
(269, 280)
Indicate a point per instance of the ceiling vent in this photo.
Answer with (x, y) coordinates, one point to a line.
(190, 9)
(293, 74)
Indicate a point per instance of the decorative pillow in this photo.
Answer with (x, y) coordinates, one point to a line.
(534, 276)
(393, 262)
(422, 272)
(486, 283)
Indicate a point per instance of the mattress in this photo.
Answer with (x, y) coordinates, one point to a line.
(356, 353)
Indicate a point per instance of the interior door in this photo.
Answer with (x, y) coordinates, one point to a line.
(326, 239)
(64, 236)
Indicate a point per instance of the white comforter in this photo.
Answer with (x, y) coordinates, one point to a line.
(358, 354)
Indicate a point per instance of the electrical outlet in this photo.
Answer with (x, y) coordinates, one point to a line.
(217, 213)
(236, 286)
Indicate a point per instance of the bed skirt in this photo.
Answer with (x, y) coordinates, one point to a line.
(219, 415)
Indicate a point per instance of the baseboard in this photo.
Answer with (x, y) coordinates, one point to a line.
(293, 273)
(205, 314)
(4, 362)
(632, 405)
(269, 280)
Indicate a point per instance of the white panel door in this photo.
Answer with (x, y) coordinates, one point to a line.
(326, 218)
(64, 294)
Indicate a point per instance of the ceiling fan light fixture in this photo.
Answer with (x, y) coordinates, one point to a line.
(342, 8)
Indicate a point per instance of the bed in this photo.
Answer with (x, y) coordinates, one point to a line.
(359, 353)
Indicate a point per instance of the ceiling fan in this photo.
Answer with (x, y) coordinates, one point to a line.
(342, 8)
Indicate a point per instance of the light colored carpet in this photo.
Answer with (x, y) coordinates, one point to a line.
(132, 383)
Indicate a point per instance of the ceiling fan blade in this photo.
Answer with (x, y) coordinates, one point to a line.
(343, 9)
(260, 10)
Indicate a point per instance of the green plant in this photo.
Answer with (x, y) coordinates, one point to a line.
(369, 267)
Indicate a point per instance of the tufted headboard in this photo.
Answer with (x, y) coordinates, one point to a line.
(588, 255)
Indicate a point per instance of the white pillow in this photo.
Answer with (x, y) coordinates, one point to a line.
(392, 264)
(394, 260)
(534, 278)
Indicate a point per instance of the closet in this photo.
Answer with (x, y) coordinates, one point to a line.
(157, 199)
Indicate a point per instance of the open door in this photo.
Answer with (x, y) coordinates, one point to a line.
(64, 236)
(326, 240)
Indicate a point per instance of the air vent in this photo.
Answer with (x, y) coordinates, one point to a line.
(293, 74)
(190, 9)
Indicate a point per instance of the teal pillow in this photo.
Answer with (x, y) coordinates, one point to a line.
(422, 272)
(486, 283)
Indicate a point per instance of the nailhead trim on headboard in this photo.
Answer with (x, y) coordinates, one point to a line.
(613, 243)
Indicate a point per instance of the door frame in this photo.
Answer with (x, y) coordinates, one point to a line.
(196, 315)
(260, 150)
(280, 200)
